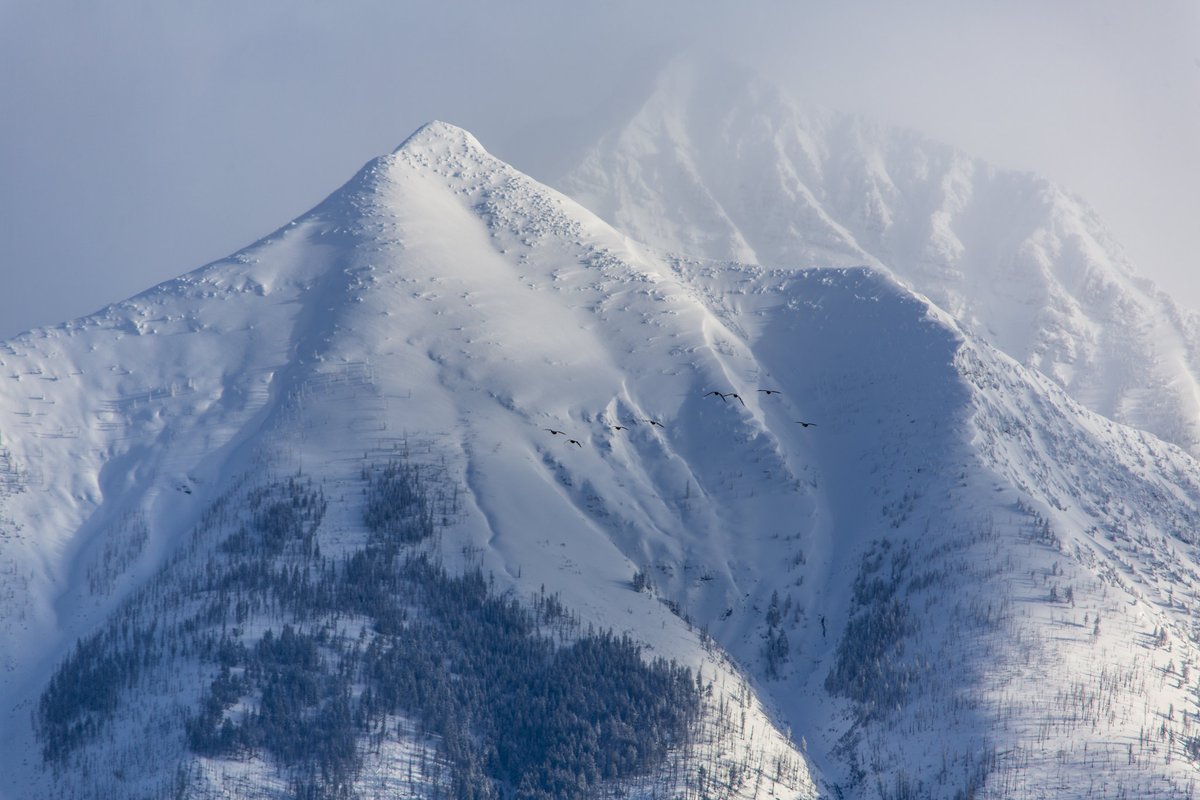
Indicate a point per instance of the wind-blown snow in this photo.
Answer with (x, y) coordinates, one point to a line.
(938, 542)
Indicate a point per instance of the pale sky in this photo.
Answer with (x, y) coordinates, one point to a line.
(140, 139)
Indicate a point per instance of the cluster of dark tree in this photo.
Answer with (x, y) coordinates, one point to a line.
(279, 521)
(303, 714)
(869, 666)
(84, 692)
(546, 720)
(776, 647)
(509, 707)
(642, 581)
(515, 711)
(401, 504)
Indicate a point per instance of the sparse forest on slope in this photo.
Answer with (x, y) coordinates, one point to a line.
(321, 660)
(1016, 614)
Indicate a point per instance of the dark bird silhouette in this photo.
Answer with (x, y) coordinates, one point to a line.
(770, 391)
(726, 395)
(574, 442)
(807, 424)
(653, 422)
(556, 433)
(619, 428)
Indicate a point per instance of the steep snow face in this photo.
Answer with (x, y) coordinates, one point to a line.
(716, 165)
(113, 427)
(939, 572)
(1006, 577)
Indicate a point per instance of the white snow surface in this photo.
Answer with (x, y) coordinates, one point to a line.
(1022, 566)
(720, 165)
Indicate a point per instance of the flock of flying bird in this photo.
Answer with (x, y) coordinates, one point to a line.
(723, 395)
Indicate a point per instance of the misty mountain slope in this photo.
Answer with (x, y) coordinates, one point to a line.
(719, 166)
(899, 598)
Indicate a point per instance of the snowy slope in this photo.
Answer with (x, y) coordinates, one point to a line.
(1010, 575)
(934, 548)
(440, 302)
(718, 165)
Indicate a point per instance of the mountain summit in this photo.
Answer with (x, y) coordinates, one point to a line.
(448, 488)
(441, 137)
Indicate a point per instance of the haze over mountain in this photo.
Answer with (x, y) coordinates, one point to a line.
(255, 111)
(241, 509)
(717, 164)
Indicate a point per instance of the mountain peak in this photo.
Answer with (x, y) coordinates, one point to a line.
(440, 137)
(435, 149)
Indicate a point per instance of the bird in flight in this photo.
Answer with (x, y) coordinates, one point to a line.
(807, 424)
(770, 391)
(619, 428)
(554, 432)
(726, 395)
(653, 422)
(574, 442)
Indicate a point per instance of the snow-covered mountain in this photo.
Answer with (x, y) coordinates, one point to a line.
(354, 510)
(717, 164)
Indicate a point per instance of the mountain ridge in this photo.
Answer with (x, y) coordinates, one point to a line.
(878, 598)
(716, 164)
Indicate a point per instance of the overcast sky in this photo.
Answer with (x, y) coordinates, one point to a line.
(140, 139)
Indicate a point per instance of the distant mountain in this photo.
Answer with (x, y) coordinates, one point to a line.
(450, 489)
(716, 164)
